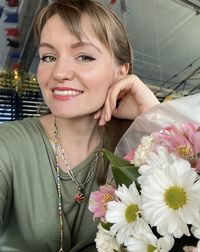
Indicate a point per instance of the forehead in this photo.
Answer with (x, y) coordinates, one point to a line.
(55, 24)
(58, 33)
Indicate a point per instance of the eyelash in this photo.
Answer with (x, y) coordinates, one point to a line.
(82, 58)
(48, 58)
(86, 58)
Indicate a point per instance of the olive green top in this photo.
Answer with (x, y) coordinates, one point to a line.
(29, 217)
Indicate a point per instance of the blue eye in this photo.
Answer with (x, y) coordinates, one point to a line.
(48, 58)
(86, 58)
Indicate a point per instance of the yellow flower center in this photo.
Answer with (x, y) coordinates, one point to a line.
(131, 213)
(185, 151)
(150, 248)
(107, 197)
(175, 197)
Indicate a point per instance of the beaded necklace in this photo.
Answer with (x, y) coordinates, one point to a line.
(79, 197)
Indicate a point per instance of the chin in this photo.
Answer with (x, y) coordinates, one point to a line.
(65, 115)
(73, 113)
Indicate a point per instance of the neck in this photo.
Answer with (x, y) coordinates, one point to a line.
(81, 138)
(81, 131)
(78, 136)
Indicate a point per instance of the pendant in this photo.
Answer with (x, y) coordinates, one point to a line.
(61, 250)
(79, 197)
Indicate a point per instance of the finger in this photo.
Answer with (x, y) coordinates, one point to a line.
(97, 115)
(113, 95)
(143, 95)
(103, 118)
(106, 111)
(116, 93)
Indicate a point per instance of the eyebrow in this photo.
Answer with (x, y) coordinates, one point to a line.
(73, 46)
(82, 44)
(45, 45)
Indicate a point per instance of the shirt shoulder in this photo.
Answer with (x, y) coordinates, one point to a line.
(18, 135)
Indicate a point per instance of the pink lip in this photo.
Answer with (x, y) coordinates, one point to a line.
(64, 97)
(65, 89)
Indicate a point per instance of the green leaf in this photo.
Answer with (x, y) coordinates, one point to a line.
(125, 175)
(106, 225)
(114, 159)
(123, 171)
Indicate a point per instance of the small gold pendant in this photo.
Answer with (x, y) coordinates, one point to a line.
(79, 197)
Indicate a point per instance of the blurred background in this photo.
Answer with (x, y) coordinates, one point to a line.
(165, 35)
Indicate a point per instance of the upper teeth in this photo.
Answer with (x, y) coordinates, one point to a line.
(66, 92)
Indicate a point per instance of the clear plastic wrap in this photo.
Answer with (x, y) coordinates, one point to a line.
(177, 110)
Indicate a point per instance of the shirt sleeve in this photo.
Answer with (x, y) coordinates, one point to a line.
(3, 196)
(5, 182)
(90, 248)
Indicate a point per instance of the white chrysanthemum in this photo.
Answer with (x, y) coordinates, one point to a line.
(158, 160)
(144, 240)
(142, 151)
(198, 246)
(105, 242)
(171, 199)
(196, 231)
(124, 213)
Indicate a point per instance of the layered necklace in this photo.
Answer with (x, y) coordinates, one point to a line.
(79, 196)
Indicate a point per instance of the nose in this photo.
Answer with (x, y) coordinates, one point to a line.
(63, 71)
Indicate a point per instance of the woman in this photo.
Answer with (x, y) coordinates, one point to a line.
(85, 75)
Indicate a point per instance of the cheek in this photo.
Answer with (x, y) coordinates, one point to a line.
(41, 76)
(102, 80)
(106, 82)
(100, 87)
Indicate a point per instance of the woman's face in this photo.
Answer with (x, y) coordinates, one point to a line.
(74, 76)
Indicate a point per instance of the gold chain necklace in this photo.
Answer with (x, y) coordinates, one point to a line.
(79, 197)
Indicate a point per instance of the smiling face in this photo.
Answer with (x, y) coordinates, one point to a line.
(74, 76)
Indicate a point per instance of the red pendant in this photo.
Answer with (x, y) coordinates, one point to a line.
(79, 197)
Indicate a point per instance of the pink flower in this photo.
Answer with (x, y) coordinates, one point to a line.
(182, 139)
(130, 155)
(138, 156)
(99, 199)
(190, 249)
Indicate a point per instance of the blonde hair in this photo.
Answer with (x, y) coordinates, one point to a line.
(106, 25)
(110, 32)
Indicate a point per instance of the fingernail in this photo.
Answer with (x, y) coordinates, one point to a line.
(108, 117)
(101, 123)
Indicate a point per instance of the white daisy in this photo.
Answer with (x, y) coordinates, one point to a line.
(158, 160)
(105, 242)
(144, 240)
(171, 199)
(124, 213)
(195, 231)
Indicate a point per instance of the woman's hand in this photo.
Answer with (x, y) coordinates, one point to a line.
(126, 99)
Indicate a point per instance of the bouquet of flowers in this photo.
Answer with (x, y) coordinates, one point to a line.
(154, 202)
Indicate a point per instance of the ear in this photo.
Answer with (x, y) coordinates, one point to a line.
(122, 71)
